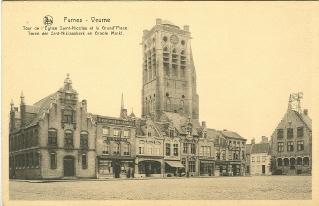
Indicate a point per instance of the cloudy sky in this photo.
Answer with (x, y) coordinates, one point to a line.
(248, 58)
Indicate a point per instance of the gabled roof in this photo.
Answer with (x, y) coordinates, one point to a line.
(231, 134)
(305, 119)
(179, 121)
(39, 109)
(260, 148)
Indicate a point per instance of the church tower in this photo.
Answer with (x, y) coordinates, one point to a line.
(169, 77)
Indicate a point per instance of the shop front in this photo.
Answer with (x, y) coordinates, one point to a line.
(115, 167)
(228, 168)
(174, 168)
(207, 168)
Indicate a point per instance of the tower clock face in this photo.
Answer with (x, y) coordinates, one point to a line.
(174, 39)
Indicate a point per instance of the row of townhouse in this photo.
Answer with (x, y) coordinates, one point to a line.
(56, 138)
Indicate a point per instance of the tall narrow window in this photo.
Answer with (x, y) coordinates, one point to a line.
(300, 132)
(193, 148)
(290, 133)
(280, 133)
(84, 161)
(52, 137)
(280, 146)
(68, 115)
(35, 137)
(115, 148)
(300, 145)
(68, 138)
(116, 132)
(185, 148)
(290, 146)
(126, 149)
(106, 147)
(53, 160)
(175, 149)
(84, 140)
(191, 166)
(36, 159)
(168, 149)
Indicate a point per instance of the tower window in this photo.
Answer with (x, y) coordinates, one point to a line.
(165, 38)
(167, 94)
(183, 42)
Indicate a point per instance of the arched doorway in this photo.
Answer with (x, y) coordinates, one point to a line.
(68, 166)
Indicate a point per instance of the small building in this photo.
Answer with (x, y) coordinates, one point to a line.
(291, 141)
(260, 158)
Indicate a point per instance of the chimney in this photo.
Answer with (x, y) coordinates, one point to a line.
(84, 104)
(186, 28)
(158, 21)
(253, 141)
(204, 124)
(305, 112)
(264, 139)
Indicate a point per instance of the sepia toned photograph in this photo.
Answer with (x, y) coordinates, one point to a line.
(156, 101)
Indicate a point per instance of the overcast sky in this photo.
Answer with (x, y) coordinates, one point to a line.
(248, 59)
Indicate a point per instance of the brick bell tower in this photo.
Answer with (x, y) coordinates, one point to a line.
(169, 77)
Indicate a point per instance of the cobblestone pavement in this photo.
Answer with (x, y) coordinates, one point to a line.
(219, 188)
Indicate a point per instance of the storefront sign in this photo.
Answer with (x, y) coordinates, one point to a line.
(115, 121)
(117, 139)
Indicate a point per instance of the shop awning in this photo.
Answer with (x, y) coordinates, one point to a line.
(174, 163)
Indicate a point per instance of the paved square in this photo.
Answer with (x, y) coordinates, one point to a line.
(219, 188)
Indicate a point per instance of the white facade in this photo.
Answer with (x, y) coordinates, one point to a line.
(260, 164)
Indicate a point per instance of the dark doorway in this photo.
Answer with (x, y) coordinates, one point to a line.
(263, 169)
(68, 166)
(116, 164)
